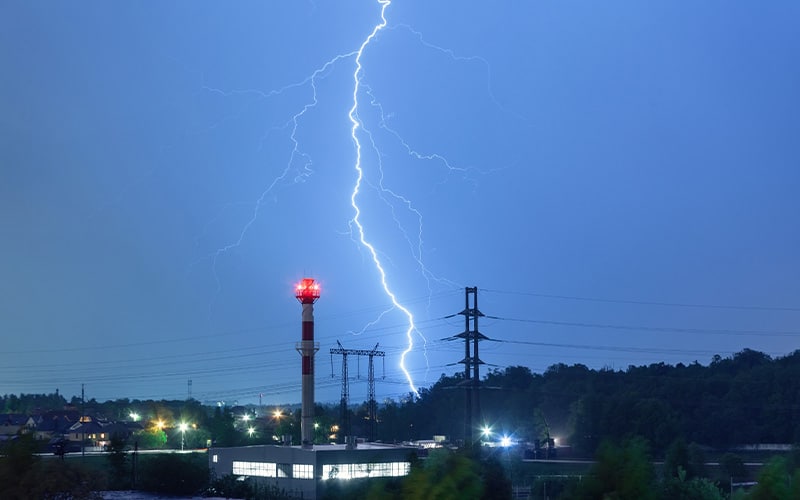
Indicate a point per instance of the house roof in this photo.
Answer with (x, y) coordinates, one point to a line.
(71, 415)
(13, 419)
(55, 424)
(87, 427)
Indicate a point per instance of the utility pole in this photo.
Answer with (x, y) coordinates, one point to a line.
(83, 423)
(471, 362)
(135, 460)
(372, 403)
(344, 416)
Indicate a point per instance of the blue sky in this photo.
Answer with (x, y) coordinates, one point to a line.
(607, 174)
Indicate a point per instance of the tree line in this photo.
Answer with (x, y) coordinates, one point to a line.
(747, 398)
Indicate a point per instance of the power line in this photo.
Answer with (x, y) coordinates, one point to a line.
(279, 327)
(649, 350)
(648, 302)
(767, 333)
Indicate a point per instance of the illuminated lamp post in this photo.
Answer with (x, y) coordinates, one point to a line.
(183, 427)
(307, 292)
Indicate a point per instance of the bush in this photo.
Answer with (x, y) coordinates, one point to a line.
(230, 486)
(173, 474)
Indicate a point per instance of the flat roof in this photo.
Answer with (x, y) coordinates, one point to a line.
(359, 446)
(327, 447)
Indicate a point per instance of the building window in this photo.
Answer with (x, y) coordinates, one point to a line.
(215, 458)
(261, 469)
(355, 471)
(284, 470)
(303, 471)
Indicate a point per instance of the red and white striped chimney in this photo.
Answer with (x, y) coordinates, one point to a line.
(307, 292)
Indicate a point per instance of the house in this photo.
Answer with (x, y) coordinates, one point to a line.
(99, 432)
(12, 424)
(54, 424)
(89, 430)
(122, 429)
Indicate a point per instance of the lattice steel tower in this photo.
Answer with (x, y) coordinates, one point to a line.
(345, 400)
(471, 362)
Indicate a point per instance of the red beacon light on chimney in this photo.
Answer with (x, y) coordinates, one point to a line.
(307, 291)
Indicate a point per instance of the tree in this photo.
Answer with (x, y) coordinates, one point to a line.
(173, 474)
(773, 482)
(697, 461)
(733, 465)
(694, 489)
(445, 475)
(676, 459)
(117, 460)
(152, 439)
(56, 479)
(16, 463)
(223, 432)
(621, 472)
(495, 482)
(23, 475)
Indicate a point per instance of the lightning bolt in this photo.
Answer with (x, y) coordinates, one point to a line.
(298, 167)
(356, 221)
(301, 174)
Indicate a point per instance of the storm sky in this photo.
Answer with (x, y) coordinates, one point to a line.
(619, 179)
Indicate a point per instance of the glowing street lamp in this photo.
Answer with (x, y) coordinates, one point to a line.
(250, 431)
(505, 441)
(486, 431)
(135, 417)
(183, 426)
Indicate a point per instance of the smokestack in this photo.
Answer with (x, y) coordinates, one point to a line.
(307, 292)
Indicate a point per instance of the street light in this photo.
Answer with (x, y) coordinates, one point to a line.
(250, 431)
(486, 431)
(135, 416)
(183, 426)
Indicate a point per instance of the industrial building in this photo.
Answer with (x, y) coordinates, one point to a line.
(303, 470)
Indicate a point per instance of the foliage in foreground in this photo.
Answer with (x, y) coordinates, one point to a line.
(173, 474)
(776, 481)
(626, 472)
(24, 475)
(230, 486)
(446, 475)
